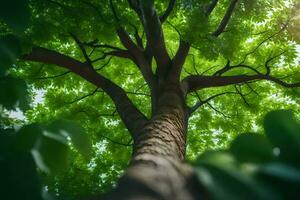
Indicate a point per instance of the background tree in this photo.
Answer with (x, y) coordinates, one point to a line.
(152, 67)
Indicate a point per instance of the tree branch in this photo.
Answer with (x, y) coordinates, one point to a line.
(52, 77)
(211, 7)
(138, 56)
(155, 38)
(202, 102)
(195, 82)
(134, 5)
(114, 11)
(228, 67)
(242, 95)
(133, 119)
(94, 44)
(128, 144)
(79, 43)
(168, 11)
(179, 58)
(225, 19)
(267, 66)
(83, 97)
(263, 41)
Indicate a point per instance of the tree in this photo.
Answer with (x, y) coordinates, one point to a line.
(184, 55)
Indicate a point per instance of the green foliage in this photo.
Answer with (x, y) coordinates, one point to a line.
(283, 131)
(76, 134)
(16, 168)
(212, 127)
(34, 146)
(22, 151)
(256, 167)
(13, 93)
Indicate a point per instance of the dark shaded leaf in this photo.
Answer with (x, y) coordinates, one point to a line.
(15, 13)
(51, 154)
(282, 171)
(10, 50)
(219, 173)
(284, 132)
(19, 178)
(27, 136)
(281, 177)
(13, 92)
(7, 141)
(77, 134)
(252, 147)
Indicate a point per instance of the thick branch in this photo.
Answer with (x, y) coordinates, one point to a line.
(168, 11)
(120, 54)
(211, 6)
(127, 41)
(225, 19)
(131, 116)
(134, 5)
(155, 37)
(195, 82)
(138, 56)
(179, 58)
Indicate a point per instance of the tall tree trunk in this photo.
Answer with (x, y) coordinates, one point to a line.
(157, 170)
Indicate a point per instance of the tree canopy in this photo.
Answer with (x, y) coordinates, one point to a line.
(248, 50)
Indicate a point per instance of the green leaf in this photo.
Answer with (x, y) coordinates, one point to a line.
(15, 13)
(51, 154)
(7, 141)
(284, 132)
(252, 147)
(10, 50)
(218, 172)
(281, 177)
(217, 158)
(19, 178)
(27, 136)
(282, 171)
(77, 134)
(13, 93)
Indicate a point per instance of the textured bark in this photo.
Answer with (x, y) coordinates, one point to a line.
(157, 170)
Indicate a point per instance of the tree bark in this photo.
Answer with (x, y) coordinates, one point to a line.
(157, 170)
